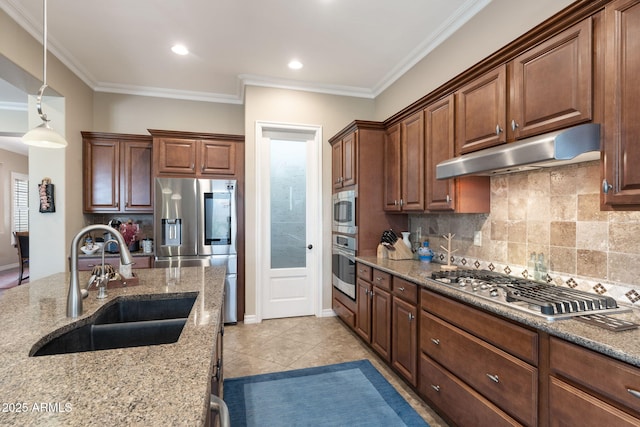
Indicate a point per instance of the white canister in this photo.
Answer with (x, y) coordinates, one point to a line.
(147, 246)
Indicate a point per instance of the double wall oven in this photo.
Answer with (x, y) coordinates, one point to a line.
(344, 242)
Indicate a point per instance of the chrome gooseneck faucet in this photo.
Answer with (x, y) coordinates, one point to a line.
(74, 298)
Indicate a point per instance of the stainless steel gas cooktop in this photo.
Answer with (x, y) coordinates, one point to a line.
(541, 299)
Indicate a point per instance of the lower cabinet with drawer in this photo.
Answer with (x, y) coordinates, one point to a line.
(589, 389)
(404, 349)
(373, 314)
(462, 353)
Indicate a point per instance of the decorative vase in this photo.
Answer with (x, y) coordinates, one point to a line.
(405, 238)
(425, 253)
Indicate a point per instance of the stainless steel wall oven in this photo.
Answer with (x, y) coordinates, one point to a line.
(344, 264)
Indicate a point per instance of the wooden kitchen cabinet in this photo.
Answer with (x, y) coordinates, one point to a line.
(621, 176)
(552, 83)
(344, 161)
(373, 316)
(549, 87)
(481, 110)
(493, 357)
(87, 263)
(404, 347)
(590, 386)
(188, 154)
(117, 173)
(404, 165)
(462, 195)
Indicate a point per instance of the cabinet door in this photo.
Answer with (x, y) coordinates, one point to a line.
(412, 165)
(138, 180)
(336, 165)
(177, 156)
(217, 157)
(552, 83)
(440, 146)
(404, 350)
(392, 159)
(101, 159)
(363, 314)
(349, 160)
(481, 112)
(622, 107)
(381, 323)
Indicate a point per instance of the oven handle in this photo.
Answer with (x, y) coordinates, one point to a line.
(350, 255)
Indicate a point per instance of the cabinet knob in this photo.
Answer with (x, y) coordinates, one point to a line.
(401, 289)
(411, 317)
(435, 341)
(493, 378)
(401, 202)
(498, 130)
(514, 125)
(448, 199)
(435, 387)
(606, 186)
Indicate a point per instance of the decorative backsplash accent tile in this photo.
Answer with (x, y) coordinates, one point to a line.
(572, 283)
(599, 289)
(633, 296)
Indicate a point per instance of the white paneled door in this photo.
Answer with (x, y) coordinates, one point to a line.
(289, 220)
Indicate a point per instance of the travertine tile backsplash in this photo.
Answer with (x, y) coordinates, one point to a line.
(552, 211)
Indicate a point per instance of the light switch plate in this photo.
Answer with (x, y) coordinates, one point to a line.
(477, 238)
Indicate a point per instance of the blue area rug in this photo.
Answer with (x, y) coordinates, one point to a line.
(347, 394)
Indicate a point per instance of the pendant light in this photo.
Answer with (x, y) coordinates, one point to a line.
(44, 135)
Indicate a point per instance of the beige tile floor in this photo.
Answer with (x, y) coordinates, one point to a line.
(302, 342)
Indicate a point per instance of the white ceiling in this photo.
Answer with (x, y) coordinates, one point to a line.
(350, 47)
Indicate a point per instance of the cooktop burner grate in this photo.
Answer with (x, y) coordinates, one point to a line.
(553, 302)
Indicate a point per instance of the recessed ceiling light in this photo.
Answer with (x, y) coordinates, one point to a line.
(179, 49)
(295, 64)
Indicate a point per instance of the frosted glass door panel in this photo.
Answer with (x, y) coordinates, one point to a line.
(288, 204)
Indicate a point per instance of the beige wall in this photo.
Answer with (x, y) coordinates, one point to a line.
(331, 112)
(136, 114)
(499, 23)
(9, 162)
(52, 233)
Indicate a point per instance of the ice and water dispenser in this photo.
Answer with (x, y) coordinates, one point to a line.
(171, 231)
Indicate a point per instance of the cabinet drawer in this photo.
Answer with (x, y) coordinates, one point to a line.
(406, 290)
(569, 406)
(606, 376)
(344, 313)
(460, 402)
(509, 337)
(382, 279)
(508, 382)
(365, 272)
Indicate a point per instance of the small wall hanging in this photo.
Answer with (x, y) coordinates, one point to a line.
(45, 190)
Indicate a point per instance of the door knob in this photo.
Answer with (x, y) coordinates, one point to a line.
(310, 246)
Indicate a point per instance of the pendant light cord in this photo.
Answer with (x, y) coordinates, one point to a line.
(42, 115)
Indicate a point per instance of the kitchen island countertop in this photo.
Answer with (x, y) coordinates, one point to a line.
(624, 346)
(153, 385)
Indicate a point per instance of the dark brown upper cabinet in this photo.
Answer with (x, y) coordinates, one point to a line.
(344, 162)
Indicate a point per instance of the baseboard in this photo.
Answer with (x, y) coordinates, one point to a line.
(250, 318)
(327, 313)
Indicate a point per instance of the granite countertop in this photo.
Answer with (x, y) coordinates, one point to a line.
(624, 346)
(154, 385)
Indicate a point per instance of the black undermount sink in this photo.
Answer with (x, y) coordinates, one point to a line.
(125, 323)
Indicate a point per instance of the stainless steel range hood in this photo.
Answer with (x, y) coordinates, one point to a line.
(574, 145)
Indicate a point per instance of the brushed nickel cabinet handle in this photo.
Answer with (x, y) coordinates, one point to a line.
(411, 317)
(514, 125)
(448, 199)
(401, 289)
(435, 387)
(606, 186)
(634, 393)
(498, 130)
(494, 378)
(435, 341)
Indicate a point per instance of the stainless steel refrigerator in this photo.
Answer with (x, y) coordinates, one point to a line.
(196, 224)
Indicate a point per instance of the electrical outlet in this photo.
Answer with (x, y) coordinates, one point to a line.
(477, 238)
